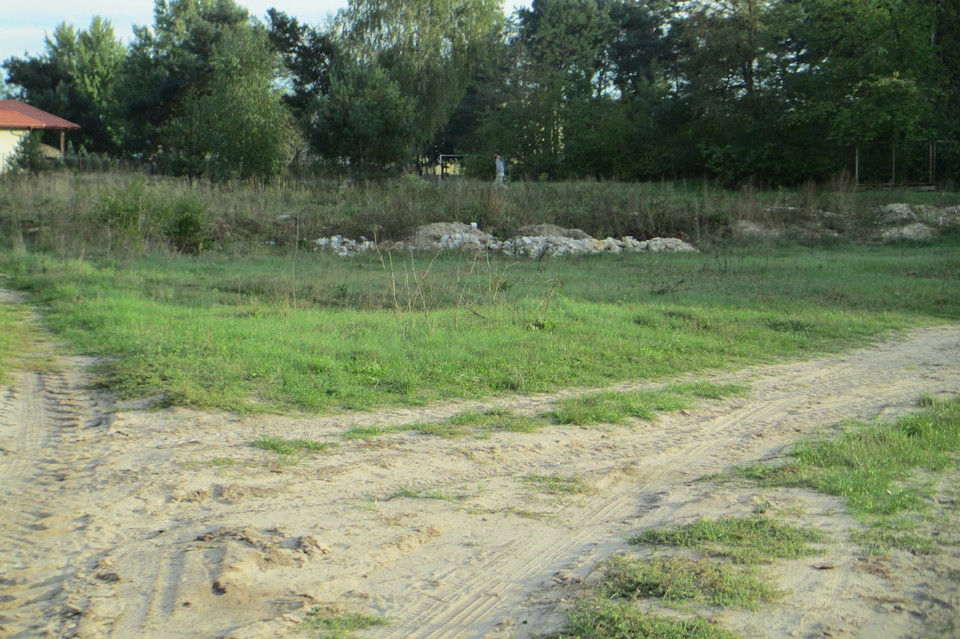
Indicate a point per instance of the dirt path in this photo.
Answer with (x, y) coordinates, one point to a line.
(122, 523)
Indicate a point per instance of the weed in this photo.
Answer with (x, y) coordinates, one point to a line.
(685, 580)
(368, 432)
(750, 540)
(610, 620)
(283, 446)
(419, 493)
(615, 407)
(329, 622)
(557, 485)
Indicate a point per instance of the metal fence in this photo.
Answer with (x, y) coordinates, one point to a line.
(934, 163)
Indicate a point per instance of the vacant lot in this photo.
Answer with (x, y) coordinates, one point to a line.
(245, 450)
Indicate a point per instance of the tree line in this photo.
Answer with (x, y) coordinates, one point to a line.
(774, 91)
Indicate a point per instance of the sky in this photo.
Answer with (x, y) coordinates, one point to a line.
(23, 24)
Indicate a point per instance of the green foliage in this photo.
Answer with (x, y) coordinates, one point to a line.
(683, 580)
(870, 464)
(170, 68)
(252, 334)
(28, 157)
(364, 119)
(608, 620)
(134, 216)
(283, 446)
(328, 622)
(76, 79)
(430, 49)
(237, 127)
(749, 540)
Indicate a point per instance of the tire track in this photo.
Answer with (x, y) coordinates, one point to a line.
(439, 570)
(472, 601)
(41, 520)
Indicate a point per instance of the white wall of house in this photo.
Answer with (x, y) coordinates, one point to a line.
(9, 140)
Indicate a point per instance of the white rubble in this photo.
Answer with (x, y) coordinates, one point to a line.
(343, 246)
(460, 237)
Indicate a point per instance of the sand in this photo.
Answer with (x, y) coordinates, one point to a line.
(120, 522)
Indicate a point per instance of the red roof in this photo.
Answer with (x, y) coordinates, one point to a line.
(17, 115)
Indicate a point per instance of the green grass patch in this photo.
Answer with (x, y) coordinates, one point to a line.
(369, 432)
(278, 333)
(557, 484)
(410, 492)
(683, 580)
(871, 464)
(748, 540)
(283, 446)
(19, 342)
(328, 622)
(886, 472)
(604, 408)
(611, 620)
(615, 407)
(477, 423)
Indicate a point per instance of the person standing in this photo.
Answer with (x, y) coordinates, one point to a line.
(501, 166)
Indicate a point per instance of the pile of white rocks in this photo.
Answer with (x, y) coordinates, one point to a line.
(913, 221)
(343, 246)
(533, 241)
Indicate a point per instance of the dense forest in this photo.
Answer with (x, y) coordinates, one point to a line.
(772, 91)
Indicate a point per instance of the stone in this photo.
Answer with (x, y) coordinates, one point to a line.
(898, 214)
(552, 230)
(915, 231)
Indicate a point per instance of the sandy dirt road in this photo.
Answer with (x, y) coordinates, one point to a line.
(124, 523)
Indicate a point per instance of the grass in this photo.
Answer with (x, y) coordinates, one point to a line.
(410, 492)
(285, 447)
(615, 407)
(328, 622)
(248, 335)
(19, 342)
(369, 432)
(870, 463)
(613, 620)
(889, 474)
(557, 484)
(748, 540)
(884, 471)
(684, 580)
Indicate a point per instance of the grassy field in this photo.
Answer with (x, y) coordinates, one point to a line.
(209, 295)
(313, 332)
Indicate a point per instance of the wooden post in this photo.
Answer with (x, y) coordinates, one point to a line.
(856, 165)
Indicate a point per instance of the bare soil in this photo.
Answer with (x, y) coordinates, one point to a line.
(119, 522)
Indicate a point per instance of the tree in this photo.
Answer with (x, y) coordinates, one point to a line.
(169, 62)
(200, 95)
(558, 57)
(75, 79)
(237, 127)
(431, 49)
(364, 120)
(308, 56)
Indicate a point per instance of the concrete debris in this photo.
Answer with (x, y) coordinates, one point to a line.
(461, 237)
(343, 246)
(915, 231)
(902, 221)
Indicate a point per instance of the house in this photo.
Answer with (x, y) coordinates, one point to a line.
(18, 120)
